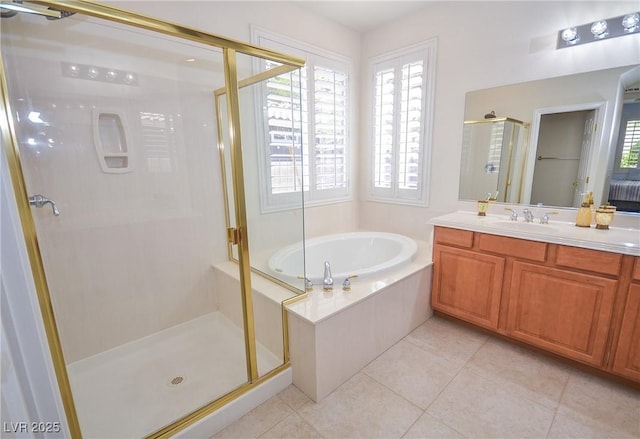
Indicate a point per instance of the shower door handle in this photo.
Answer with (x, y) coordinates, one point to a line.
(40, 200)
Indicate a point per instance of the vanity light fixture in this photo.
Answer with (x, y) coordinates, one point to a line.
(599, 30)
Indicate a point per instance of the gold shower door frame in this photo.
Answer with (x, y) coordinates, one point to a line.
(9, 140)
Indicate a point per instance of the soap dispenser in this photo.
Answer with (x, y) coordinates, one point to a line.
(583, 219)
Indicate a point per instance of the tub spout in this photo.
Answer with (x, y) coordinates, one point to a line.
(327, 281)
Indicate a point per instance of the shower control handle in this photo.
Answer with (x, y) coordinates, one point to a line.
(40, 201)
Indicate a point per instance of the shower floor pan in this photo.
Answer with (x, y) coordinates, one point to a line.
(138, 388)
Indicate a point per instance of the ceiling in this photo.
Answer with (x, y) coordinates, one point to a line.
(363, 15)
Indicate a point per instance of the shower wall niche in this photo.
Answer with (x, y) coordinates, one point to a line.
(110, 139)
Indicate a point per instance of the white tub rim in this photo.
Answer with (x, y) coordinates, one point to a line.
(409, 249)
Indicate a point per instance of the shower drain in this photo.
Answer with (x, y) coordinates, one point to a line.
(176, 381)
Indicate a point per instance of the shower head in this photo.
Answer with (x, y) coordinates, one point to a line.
(491, 115)
(11, 8)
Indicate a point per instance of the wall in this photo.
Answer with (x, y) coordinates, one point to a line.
(482, 45)
(234, 20)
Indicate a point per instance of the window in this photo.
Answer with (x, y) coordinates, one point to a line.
(308, 124)
(630, 144)
(403, 85)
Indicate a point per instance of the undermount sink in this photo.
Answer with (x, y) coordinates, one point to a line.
(526, 227)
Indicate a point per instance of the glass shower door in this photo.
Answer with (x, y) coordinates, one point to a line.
(117, 141)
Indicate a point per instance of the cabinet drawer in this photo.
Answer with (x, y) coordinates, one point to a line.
(519, 248)
(589, 260)
(461, 238)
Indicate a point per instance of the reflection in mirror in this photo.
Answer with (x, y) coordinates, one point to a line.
(555, 173)
(492, 159)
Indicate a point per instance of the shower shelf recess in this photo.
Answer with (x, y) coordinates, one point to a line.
(110, 138)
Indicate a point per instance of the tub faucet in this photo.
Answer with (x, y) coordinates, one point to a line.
(327, 281)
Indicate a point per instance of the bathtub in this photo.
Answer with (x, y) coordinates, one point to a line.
(358, 253)
(334, 334)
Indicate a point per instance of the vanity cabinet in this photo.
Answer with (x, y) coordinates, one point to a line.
(627, 356)
(566, 300)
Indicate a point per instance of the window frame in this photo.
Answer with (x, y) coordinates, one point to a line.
(314, 56)
(427, 52)
(624, 120)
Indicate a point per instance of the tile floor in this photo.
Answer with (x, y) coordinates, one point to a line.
(445, 380)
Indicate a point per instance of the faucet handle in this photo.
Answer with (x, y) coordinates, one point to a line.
(308, 285)
(514, 214)
(346, 285)
(544, 219)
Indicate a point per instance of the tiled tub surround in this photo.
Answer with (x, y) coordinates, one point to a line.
(333, 335)
(568, 290)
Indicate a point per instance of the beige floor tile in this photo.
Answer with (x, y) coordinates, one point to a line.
(447, 339)
(477, 407)
(595, 408)
(428, 427)
(361, 408)
(412, 372)
(258, 421)
(292, 427)
(542, 378)
(294, 397)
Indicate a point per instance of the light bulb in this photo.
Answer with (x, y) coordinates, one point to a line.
(630, 22)
(570, 35)
(599, 29)
(93, 72)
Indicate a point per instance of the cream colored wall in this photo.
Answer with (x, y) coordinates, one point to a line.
(233, 20)
(482, 45)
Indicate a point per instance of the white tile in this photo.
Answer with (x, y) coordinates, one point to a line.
(361, 408)
(292, 427)
(594, 408)
(257, 422)
(542, 378)
(415, 374)
(447, 339)
(476, 407)
(428, 427)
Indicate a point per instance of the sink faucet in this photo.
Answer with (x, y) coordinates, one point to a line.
(514, 214)
(528, 215)
(327, 281)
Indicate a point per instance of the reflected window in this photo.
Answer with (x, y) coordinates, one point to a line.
(158, 136)
(307, 147)
(630, 145)
(495, 148)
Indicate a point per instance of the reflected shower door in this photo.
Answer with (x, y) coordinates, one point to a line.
(115, 127)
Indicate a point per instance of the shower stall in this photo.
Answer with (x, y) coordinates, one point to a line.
(131, 146)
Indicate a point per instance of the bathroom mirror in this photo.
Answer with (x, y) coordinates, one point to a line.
(583, 110)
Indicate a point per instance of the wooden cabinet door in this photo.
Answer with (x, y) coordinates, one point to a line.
(468, 285)
(562, 311)
(627, 354)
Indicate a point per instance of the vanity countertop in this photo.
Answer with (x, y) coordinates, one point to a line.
(616, 239)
